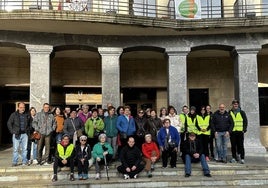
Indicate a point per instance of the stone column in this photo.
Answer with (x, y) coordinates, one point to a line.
(246, 91)
(177, 77)
(39, 75)
(110, 75)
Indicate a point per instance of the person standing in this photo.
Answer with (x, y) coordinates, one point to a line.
(140, 121)
(237, 136)
(45, 123)
(153, 125)
(222, 125)
(131, 160)
(163, 113)
(168, 140)
(32, 143)
(174, 118)
(85, 114)
(110, 129)
(204, 123)
(19, 126)
(212, 134)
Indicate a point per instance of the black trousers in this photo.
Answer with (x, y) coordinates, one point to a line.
(82, 168)
(211, 144)
(58, 163)
(237, 144)
(169, 153)
(122, 169)
(204, 139)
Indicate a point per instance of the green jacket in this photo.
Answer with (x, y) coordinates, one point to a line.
(98, 150)
(110, 126)
(89, 126)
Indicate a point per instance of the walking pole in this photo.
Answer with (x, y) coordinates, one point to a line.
(106, 167)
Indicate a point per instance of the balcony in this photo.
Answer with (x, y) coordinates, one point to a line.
(129, 13)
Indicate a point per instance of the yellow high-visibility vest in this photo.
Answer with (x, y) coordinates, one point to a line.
(68, 151)
(238, 121)
(191, 125)
(183, 119)
(203, 124)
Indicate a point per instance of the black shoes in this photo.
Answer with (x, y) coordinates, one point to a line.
(187, 175)
(208, 175)
(71, 177)
(54, 178)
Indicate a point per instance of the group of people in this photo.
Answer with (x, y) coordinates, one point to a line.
(74, 137)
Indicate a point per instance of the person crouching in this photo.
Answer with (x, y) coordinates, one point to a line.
(64, 156)
(150, 153)
(102, 151)
(83, 154)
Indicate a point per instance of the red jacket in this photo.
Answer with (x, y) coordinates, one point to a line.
(150, 149)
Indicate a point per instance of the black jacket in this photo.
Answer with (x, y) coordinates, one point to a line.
(131, 156)
(152, 126)
(222, 122)
(83, 154)
(13, 123)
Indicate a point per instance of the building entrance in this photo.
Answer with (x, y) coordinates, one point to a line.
(198, 98)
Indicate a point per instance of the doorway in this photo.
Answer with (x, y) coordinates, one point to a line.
(198, 98)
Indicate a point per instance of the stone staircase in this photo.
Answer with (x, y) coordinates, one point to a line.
(223, 175)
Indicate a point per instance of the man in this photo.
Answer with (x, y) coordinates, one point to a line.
(64, 157)
(193, 152)
(168, 140)
(222, 126)
(67, 111)
(85, 113)
(212, 134)
(45, 123)
(131, 160)
(19, 126)
(237, 135)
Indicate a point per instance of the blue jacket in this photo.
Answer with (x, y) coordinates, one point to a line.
(174, 134)
(125, 126)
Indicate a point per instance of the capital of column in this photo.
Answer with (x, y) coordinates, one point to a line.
(107, 51)
(39, 49)
(250, 49)
(182, 51)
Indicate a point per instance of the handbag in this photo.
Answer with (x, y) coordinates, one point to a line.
(123, 135)
(78, 132)
(36, 135)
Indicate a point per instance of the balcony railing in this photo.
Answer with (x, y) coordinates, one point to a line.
(146, 8)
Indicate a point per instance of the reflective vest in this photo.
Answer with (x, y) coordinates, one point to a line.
(238, 121)
(68, 151)
(203, 124)
(183, 119)
(191, 125)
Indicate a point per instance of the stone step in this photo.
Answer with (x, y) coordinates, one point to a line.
(260, 180)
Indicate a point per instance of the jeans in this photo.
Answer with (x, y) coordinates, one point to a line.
(21, 141)
(189, 160)
(221, 143)
(32, 149)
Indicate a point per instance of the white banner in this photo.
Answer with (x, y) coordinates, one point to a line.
(188, 9)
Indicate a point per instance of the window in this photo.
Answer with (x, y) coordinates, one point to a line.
(145, 8)
(211, 8)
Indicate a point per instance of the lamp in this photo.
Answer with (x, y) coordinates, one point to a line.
(80, 97)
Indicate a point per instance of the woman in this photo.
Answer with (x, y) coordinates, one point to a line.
(153, 125)
(83, 154)
(174, 118)
(110, 129)
(140, 121)
(32, 144)
(59, 116)
(102, 153)
(163, 113)
(150, 153)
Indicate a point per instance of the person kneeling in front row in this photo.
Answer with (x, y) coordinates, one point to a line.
(64, 157)
(192, 152)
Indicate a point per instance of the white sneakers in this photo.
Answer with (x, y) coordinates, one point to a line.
(97, 176)
(35, 162)
(126, 176)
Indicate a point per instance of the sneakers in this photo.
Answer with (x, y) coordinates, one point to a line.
(135, 177)
(85, 176)
(29, 163)
(126, 176)
(97, 176)
(149, 174)
(14, 164)
(46, 164)
(242, 161)
(152, 167)
(71, 177)
(233, 160)
(35, 162)
(54, 178)
(80, 176)
(207, 159)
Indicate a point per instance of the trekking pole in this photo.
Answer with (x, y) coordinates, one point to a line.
(106, 167)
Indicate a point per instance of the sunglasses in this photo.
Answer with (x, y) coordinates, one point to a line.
(83, 140)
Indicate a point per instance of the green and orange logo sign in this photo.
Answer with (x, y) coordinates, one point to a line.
(188, 8)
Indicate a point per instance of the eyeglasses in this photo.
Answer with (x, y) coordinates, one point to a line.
(83, 140)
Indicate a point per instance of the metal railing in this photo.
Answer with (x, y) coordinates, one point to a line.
(135, 8)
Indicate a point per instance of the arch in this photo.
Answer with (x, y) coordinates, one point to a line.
(213, 47)
(11, 44)
(74, 47)
(144, 48)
